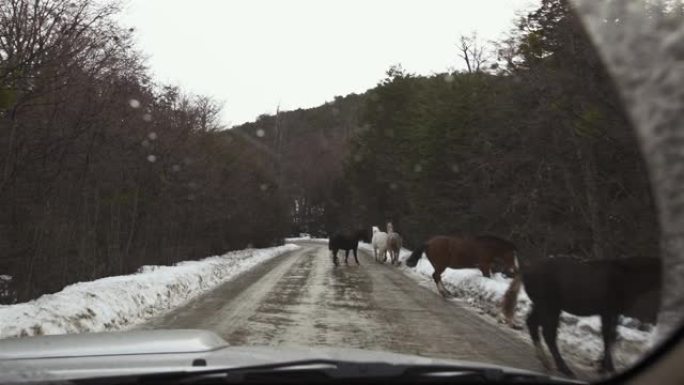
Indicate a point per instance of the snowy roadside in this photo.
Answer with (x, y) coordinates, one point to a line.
(115, 303)
(579, 338)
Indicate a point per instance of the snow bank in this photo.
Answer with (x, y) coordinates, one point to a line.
(118, 302)
(579, 337)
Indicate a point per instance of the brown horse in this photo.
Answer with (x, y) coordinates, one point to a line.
(460, 252)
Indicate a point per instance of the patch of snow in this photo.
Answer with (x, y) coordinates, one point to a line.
(579, 338)
(115, 303)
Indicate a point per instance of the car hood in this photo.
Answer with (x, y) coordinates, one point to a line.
(67, 357)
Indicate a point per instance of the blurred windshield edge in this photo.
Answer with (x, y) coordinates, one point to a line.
(643, 51)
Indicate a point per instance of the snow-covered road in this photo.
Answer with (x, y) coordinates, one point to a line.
(301, 299)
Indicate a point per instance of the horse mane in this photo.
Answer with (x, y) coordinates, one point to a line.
(497, 241)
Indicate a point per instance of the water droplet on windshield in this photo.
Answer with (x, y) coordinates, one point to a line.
(263, 187)
(147, 117)
(175, 168)
(417, 168)
(151, 158)
(134, 103)
(145, 143)
(358, 157)
(152, 135)
(448, 78)
(260, 133)
(455, 168)
(393, 186)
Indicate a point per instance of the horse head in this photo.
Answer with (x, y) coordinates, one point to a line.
(503, 254)
(510, 267)
(375, 229)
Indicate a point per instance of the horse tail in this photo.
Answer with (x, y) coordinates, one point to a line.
(510, 298)
(412, 261)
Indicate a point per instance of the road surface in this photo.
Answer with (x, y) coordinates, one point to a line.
(301, 299)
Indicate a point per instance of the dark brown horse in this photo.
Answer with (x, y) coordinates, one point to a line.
(608, 288)
(460, 252)
(347, 240)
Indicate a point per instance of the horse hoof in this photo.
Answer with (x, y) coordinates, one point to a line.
(603, 370)
(568, 373)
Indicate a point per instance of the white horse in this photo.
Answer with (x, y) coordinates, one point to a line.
(379, 243)
(393, 243)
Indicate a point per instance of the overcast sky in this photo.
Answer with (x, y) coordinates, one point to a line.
(256, 54)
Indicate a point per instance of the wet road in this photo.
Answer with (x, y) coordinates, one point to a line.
(301, 299)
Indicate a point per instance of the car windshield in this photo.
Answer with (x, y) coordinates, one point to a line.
(489, 181)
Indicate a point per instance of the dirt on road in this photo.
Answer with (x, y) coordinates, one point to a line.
(301, 299)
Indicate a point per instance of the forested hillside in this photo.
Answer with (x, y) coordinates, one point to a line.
(530, 143)
(311, 147)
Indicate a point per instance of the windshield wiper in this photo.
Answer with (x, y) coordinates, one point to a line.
(334, 371)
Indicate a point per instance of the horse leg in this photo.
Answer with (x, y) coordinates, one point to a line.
(486, 268)
(346, 255)
(550, 330)
(356, 258)
(609, 331)
(533, 327)
(437, 276)
(334, 256)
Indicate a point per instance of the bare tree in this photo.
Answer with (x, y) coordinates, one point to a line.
(473, 52)
(208, 113)
(101, 171)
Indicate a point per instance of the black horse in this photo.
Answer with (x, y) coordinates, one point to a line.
(608, 288)
(346, 241)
